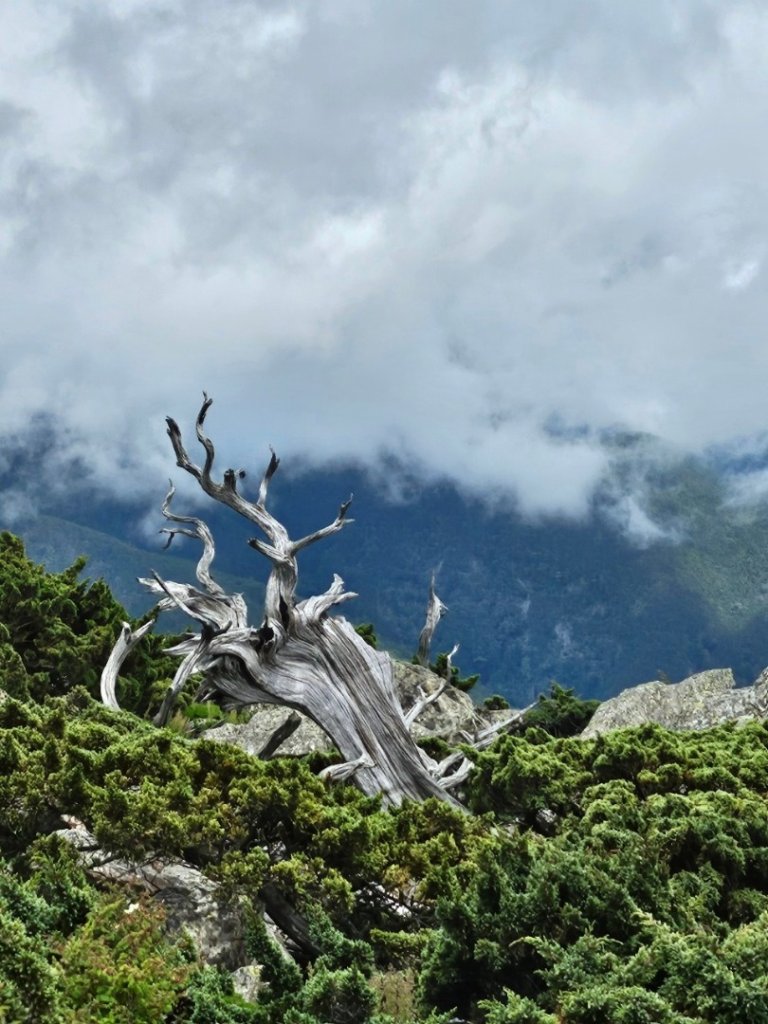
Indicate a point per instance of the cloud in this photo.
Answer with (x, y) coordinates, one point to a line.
(384, 230)
(741, 274)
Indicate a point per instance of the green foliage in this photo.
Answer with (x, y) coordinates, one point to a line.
(646, 900)
(368, 633)
(341, 996)
(515, 1010)
(496, 702)
(440, 668)
(57, 877)
(655, 880)
(56, 633)
(207, 713)
(210, 999)
(282, 975)
(560, 713)
(120, 968)
(28, 980)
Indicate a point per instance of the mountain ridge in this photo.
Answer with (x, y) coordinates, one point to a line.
(530, 601)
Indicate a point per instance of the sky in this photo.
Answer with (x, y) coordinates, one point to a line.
(466, 237)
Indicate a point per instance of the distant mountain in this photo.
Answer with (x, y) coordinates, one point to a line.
(663, 578)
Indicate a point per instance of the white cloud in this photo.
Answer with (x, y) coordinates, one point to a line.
(384, 228)
(740, 275)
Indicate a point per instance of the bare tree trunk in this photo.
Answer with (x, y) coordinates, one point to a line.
(435, 611)
(300, 656)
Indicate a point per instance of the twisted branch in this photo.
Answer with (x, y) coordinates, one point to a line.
(124, 645)
(199, 532)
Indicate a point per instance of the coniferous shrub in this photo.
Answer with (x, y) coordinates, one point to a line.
(644, 899)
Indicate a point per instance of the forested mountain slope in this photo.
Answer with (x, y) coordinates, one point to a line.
(581, 602)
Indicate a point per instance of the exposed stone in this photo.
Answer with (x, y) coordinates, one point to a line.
(190, 900)
(247, 982)
(699, 702)
(448, 718)
(266, 718)
(546, 821)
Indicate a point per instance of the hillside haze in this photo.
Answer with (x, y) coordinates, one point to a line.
(668, 583)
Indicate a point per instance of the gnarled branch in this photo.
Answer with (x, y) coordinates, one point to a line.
(315, 607)
(337, 772)
(312, 538)
(286, 728)
(424, 701)
(187, 668)
(515, 721)
(126, 642)
(199, 532)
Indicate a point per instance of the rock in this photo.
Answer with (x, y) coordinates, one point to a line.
(699, 702)
(247, 982)
(546, 821)
(190, 900)
(266, 718)
(451, 715)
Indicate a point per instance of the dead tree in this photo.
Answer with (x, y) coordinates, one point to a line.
(299, 655)
(435, 611)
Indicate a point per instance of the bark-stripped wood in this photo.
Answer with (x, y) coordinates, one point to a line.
(300, 655)
(435, 611)
(425, 699)
(515, 721)
(280, 735)
(126, 641)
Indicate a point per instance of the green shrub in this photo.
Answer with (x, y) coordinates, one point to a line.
(57, 631)
(340, 996)
(440, 668)
(120, 968)
(367, 631)
(496, 703)
(29, 983)
(560, 712)
(210, 999)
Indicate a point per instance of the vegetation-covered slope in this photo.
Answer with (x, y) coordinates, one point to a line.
(622, 880)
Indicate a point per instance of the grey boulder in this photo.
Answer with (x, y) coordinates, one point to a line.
(701, 701)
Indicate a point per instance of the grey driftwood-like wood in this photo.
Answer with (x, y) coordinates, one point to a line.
(300, 655)
(126, 641)
(435, 611)
(425, 699)
(280, 735)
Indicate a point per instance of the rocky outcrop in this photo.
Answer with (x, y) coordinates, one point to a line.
(699, 702)
(264, 722)
(451, 716)
(190, 900)
(247, 982)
